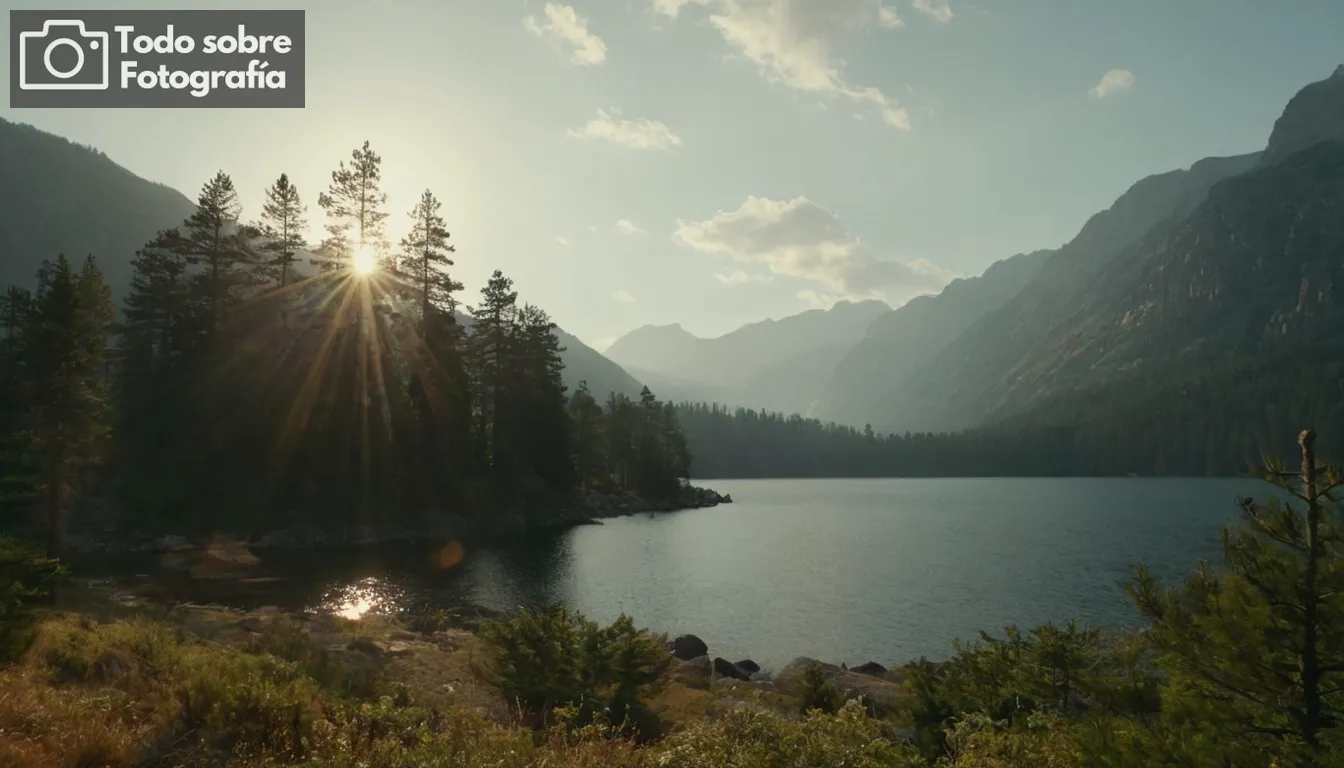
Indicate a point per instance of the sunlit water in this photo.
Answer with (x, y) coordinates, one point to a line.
(844, 570)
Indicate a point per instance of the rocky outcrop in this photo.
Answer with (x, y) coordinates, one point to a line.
(872, 669)
(599, 504)
(726, 668)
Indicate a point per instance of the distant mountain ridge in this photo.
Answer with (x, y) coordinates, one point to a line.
(60, 197)
(773, 364)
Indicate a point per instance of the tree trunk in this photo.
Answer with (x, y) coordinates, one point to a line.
(1311, 672)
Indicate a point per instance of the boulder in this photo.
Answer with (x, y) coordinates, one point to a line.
(687, 647)
(727, 499)
(726, 668)
(872, 669)
(748, 666)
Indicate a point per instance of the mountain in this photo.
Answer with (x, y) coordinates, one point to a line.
(772, 363)
(61, 197)
(965, 382)
(1223, 280)
(1313, 115)
(583, 363)
(863, 381)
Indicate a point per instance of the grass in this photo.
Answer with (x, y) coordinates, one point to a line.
(200, 687)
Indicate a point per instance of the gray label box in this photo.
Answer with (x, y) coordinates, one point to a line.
(156, 59)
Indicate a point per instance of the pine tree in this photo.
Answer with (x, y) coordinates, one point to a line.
(156, 325)
(209, 240)
(424, 260)
(283, 224)
(490, 347)
(1255, 650)
(353, 204)
(589, 430)
(67, 415)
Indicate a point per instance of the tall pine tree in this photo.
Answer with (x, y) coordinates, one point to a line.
(354, 207)
(284, 222)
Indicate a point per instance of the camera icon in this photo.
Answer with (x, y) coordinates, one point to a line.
(44, 58)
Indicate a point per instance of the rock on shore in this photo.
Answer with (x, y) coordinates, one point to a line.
(599, 504)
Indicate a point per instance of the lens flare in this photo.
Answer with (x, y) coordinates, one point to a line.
(364, 261)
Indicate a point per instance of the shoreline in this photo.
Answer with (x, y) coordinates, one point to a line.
(591, 509)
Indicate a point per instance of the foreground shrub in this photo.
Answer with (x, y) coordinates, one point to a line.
(745, 739)
(552, 659)
(26, 577)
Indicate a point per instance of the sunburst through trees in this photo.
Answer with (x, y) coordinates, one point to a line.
(252, 394)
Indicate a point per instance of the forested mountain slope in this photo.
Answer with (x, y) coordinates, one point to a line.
(60, 197)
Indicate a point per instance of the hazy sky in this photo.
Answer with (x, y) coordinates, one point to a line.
(715, 162)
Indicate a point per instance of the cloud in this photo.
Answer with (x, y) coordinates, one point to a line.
(562, 240)
(592, 228)
(792, 42)
(800, 239)
(564, 24)
(1115, 81)
(937, 9)
(636, 134)
(623, 296)
(737, 277)
(627, 227)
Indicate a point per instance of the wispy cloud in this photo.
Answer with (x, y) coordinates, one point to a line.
(798, 238)
(627, 227)
(1112, 82)
(938, 10)
(737, 277)
(623, 296)
(640, 133)
(792, 42)
(564, 24)
(562, 240)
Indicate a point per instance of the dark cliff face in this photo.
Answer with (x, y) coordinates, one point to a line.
(1256, 271)
(965, 385)
(1314, 115)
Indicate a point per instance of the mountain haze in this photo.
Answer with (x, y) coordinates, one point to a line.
(61, 197)
(774, 364)
(864, 380)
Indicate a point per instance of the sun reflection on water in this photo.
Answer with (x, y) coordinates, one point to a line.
(370, 595)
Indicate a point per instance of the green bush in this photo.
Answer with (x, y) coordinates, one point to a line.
(26, 578)
(552, 659)
(818, 692)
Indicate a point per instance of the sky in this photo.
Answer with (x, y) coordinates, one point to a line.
(717, 162)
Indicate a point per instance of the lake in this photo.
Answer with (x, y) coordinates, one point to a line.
(841, 570)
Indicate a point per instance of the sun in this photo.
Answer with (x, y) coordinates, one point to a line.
(364, 261)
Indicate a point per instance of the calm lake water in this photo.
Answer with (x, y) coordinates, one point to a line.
(842, 570)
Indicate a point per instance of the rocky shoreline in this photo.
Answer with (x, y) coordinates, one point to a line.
(100, 538)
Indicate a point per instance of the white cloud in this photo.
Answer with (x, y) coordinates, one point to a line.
(1113, 82)
(627, 227)
(800, 239)
(937, 9)
(623, 296)
(562, 240)
(792, 42)
(592, 228)
(641, 133)
(737, 277)
(564, 24)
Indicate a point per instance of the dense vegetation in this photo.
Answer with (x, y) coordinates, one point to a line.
(237, 392)
(1242, 666)
(1175, 430)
